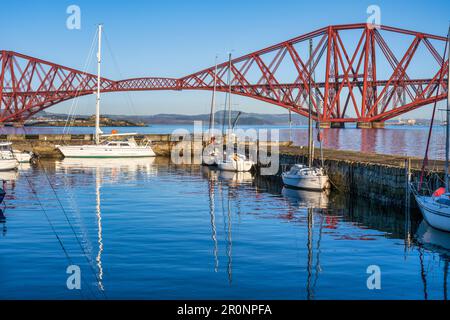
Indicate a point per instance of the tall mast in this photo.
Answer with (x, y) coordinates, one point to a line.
(98, 132)
(229, 92)
(310, 131)
(447, 128)
(213, 102)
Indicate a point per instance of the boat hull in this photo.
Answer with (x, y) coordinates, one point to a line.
(436, 215)
(22, 157)
(105, 152)
(316, 183)
(210, 161)
(8, 164)
(235, 166)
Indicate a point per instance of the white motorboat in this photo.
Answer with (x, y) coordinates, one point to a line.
(308, 178)
(436, 208)
(236, 162)
(107, 146)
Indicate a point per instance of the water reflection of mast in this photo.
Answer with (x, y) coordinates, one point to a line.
(423, 273)
(99, 225)
(445, 278)
(229, 241)
(213, 222)
(310, 253)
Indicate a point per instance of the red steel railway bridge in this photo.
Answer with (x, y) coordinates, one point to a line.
(356, 73)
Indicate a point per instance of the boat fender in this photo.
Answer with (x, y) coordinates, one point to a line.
(439, 192)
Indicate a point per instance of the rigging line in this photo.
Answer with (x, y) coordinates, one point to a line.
(425, 160)
(66, 253)
(71, 116)
(73, 230)
(127, 93)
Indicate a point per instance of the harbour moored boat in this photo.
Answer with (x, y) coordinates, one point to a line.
(236, 162)
(124, 148)
(308, 178)
(107, 146)
(7, 159)
(436, 208)
(23, 156)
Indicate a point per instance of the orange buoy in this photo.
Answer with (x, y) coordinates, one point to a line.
(114, 132)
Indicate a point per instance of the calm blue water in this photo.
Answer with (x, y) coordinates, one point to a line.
(395, 140)
(144, 229)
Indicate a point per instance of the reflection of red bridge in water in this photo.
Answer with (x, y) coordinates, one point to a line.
(357, 76)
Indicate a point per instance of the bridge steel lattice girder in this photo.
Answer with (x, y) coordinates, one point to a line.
(347, 82)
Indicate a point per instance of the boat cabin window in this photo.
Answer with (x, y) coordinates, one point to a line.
(118, 144)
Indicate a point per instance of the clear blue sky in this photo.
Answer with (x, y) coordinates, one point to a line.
(175, 38)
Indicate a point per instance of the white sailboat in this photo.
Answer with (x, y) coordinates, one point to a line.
(436, 208)
(107, 146)
(233, 162)
(7, 159)
(307, 177)
(212, 152)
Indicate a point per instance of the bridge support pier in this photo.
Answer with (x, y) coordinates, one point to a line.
(323, 125)
(370, 125)
(328, 125)
(364, 125)
(338, 125)
(378, 125)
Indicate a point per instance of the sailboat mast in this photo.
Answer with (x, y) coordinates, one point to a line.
(213, 102)
(310, 123)
(447, 128)
(229, 92)
(98, 132)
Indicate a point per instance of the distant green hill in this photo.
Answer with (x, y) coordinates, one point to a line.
(245, 118)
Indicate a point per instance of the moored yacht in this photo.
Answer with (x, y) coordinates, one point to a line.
(107, 146)
(308, 178)
(236, 162)
(7, 152)
(436, 208)
(126, 147)
(7, 159)
(302, 176)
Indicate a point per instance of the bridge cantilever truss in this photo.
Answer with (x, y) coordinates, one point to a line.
(355, 76)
